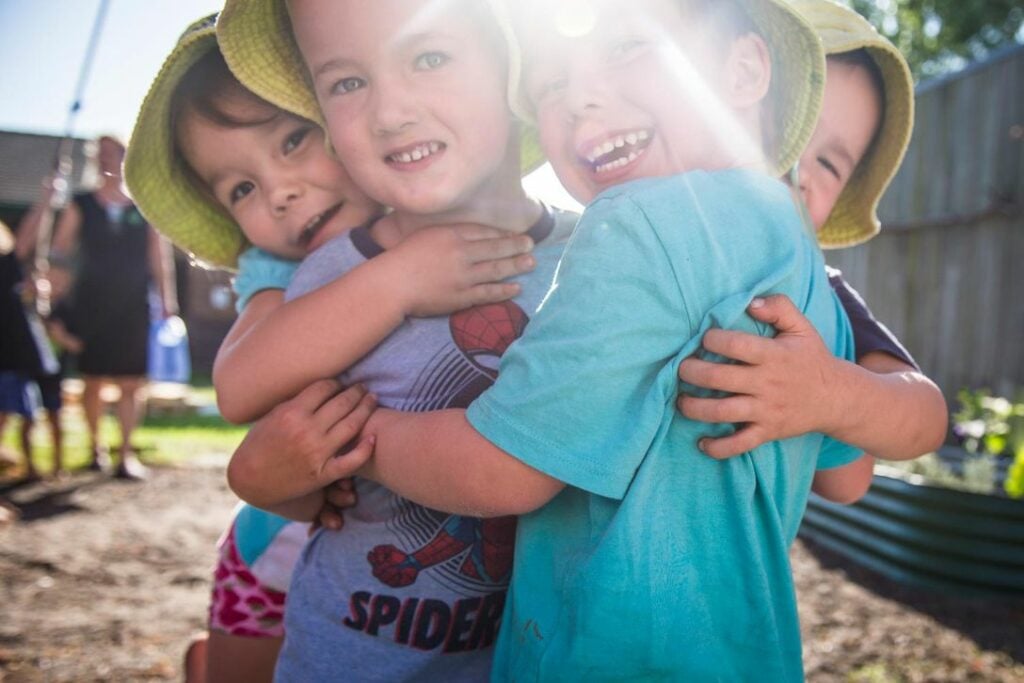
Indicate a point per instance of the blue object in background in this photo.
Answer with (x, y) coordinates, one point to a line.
(169, 359)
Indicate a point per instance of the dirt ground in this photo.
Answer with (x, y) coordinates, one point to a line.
(104, 580)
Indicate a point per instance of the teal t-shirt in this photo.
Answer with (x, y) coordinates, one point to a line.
(656, 562)
(259, 270)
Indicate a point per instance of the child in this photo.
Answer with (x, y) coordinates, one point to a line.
(24, 353)
(861, 136)
(214, 167)
(639, 559)
(415, 103)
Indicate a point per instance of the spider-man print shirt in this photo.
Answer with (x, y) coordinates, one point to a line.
(404, 592)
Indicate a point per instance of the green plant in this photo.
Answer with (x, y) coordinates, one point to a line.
(992, 426)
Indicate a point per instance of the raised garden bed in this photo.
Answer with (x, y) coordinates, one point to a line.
(935, 537)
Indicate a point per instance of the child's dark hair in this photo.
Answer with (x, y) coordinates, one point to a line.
(206, 90)
(862, 59)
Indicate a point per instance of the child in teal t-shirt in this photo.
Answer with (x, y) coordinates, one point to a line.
(636, 556)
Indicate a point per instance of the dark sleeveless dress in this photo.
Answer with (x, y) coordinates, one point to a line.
(109, 306)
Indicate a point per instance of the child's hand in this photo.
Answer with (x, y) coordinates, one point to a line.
(64, 339)
(303, 445)
(445, 269)
(782, 386)
(337, 497)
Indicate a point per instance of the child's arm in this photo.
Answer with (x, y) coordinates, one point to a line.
(436, 270)
(792, 385)
(300, 447)
(439, 460)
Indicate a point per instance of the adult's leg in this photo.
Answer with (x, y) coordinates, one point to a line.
(53, 418)
(128, 412)
(93, 407)
(26, 446)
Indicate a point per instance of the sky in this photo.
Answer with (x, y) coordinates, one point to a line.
(43, 44)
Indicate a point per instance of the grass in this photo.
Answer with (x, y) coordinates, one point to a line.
(161, 439)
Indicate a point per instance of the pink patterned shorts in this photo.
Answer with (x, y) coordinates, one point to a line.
(241, 605)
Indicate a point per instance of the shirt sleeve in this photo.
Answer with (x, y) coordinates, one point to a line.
(259, 270)
(869, 335)
(836, 454)
(582, 394)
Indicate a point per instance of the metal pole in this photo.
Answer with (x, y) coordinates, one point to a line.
(64, 167)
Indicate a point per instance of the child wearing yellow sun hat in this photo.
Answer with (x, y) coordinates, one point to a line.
(849, 217)
(860, 138)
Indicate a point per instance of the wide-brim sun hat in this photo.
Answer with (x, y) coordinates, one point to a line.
(157, 178)
(259, 47)
(854, 218)
(797, 83)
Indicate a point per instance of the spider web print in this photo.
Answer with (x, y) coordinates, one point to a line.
(416, 526)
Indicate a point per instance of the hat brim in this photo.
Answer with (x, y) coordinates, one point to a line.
(155, 176)
(259, 47)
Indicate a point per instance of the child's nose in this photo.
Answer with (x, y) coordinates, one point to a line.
(393, 106)
(283, 195)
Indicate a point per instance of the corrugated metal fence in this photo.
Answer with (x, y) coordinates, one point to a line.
(946, 273)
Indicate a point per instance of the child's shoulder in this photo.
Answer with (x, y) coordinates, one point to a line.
(694, 187)
(332, 260)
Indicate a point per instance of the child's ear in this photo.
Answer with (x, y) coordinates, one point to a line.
(748, 71)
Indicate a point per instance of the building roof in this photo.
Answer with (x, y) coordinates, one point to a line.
(26, 158)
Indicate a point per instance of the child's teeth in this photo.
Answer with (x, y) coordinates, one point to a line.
(619, 142)
(631, 138)
(421, 152)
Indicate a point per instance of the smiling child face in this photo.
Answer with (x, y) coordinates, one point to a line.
(623, 92)
(274, 177)
(850, 116)
(414, 95)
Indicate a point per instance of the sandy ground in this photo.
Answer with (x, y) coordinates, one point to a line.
(103, 580)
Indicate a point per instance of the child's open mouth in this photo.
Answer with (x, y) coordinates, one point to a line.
(414, 154)
(315, 224)
(618, 151)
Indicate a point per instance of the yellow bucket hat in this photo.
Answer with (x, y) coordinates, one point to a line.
(854, 218)
(259, 46)
(798, 77)
(157, 178)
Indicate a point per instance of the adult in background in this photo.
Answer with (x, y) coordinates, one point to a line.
(116, 257)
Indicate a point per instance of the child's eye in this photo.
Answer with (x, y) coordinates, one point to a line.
(240, 191)
(623, 49)
(431, 60)
(830, 167)
(347, 85)
(292, 142)
(548, 88)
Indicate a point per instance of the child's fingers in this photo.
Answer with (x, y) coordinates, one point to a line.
(499, 248)
(317, 394)
(474, 232)
(780, 312)
(734, 379)
(340, 498)
(500, 269)
(348, 463)
(330, 518)
(490, 293)
(717, 410)
(746, 439)
(739, 346)
(339, 406)
(348, 426)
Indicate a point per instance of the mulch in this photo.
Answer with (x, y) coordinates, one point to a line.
(105, 580)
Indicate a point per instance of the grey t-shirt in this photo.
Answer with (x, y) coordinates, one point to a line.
(404, 592)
